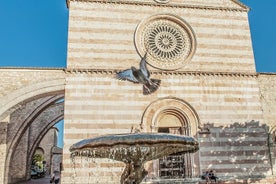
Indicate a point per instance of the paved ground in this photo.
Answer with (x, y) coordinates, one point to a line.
(44, 180)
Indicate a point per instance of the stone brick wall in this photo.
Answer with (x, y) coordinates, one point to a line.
(3, 147)
(96, 103)
(219, 83)
(219, 4)
(13, 79)
(18, 132)
(21, 85)
(18, 85)
(101, 34)
(234, 105)
(25, 130)
(18, 165)
(238, 149)
(267, 83)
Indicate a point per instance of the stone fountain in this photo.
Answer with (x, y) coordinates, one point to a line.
(134, 150)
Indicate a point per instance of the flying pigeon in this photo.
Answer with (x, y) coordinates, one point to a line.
(141, 76)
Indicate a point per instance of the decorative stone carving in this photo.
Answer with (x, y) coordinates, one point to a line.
(168, 40)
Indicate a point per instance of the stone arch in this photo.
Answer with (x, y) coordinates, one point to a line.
(46, 103)
(272, 148)
(170, 105)
(32, 115)
(182, 119)
(273, 134)
(39, 151)
(22, 95)
(41, 135)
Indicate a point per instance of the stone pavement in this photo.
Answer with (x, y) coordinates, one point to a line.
(44, 180)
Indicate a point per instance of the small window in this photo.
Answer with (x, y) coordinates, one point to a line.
(172, 130)
(163, 130)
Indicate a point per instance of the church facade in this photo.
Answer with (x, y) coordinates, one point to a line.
(201, 50)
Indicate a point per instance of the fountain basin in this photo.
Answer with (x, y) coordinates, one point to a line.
(134, 150)
(130, 147)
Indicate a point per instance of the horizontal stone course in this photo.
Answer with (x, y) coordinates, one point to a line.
(92, 22)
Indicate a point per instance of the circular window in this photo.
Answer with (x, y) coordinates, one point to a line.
(169, 41)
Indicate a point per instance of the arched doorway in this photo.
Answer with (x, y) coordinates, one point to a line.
(172, 115)
(27, 127)
(38, 166)
(176, 165)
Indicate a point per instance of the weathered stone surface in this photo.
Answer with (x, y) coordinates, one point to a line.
(216, 97)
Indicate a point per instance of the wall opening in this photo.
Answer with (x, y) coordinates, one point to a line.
(172, 115)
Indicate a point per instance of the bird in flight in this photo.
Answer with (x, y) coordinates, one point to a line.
(141, 76)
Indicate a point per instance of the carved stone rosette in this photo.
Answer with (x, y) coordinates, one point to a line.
(168, 40)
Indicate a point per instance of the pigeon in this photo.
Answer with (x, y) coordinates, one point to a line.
(141, 76)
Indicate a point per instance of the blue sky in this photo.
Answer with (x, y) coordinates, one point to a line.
(262, 19)
(34, 33)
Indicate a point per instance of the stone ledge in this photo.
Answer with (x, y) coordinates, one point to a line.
(242, 8)
(261, 180)
(195, 73)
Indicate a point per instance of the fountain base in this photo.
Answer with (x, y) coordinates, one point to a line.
(133, 173)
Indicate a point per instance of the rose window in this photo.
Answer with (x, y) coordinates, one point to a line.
(164, 41)
(167, 40)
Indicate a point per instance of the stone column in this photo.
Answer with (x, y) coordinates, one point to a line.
(3, 147)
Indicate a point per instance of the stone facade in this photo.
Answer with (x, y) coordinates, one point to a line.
(26, 129)
(100, 27)
(219, 82)
(25, 94)
(216, 95)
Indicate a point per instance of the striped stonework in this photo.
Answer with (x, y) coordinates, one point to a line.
(101, 34)
(217, 93)
(214, 95)
(239, 148)
(97, 104)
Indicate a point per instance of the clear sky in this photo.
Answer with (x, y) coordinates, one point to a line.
(262, 19)
(33, 33)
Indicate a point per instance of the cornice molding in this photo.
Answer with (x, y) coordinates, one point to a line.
(241, 4)
(30, 68)
(242, 8)
(267, 73)
(194, 73)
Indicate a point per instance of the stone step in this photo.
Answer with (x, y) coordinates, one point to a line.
(268, 180)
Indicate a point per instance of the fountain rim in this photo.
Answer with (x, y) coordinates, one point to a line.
(133, 139)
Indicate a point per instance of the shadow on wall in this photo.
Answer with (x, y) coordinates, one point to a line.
(237, 151)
